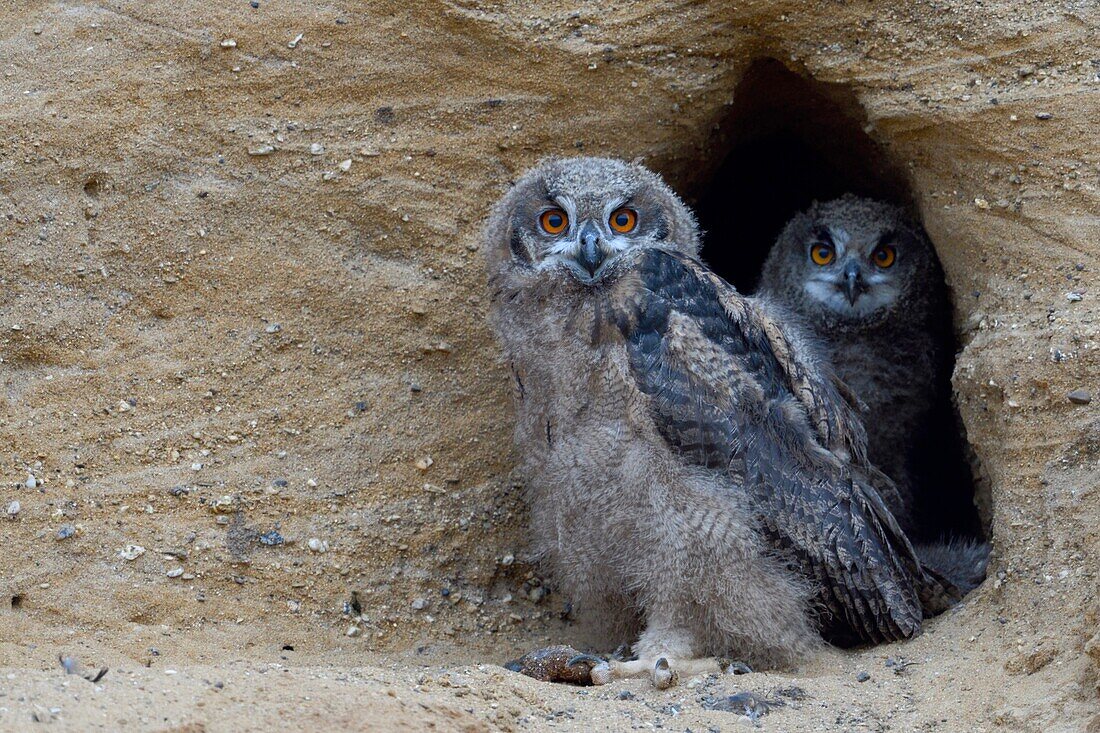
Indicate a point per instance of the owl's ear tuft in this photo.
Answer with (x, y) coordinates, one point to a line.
(502, 243)
(681, 227)
(799, 228)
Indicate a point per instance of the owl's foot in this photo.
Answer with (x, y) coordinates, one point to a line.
(664, 676)
(664, 672)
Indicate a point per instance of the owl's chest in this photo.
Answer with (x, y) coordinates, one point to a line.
(887, 375)
(575, 396)
(574, 383)
(574, 391)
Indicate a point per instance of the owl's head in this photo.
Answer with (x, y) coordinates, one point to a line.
(573, 218)
(850, 261)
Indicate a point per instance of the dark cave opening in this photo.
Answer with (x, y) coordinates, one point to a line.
(786, 141)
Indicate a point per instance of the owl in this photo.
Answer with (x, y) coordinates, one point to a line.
(694, 475)
(865, 280)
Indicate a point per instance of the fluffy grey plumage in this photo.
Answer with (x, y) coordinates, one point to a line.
(962, 561)
(866, 281)
(690, 464)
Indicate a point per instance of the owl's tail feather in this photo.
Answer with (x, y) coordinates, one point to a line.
(961, 561)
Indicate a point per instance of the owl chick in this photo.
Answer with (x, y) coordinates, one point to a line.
(691, 468)
(866, 281)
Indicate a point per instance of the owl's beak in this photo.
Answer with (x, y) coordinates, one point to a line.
(853, 282)
(590, 254)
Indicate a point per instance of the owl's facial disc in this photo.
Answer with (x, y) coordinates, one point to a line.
(848, 277)
(585, 243)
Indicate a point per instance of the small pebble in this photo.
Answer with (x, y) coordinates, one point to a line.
(862, 676)
(423, 464)
(65, 531)
(31, 482)
(316, 544)
(131, 552)
(297, 39)
(1074, 297)
(626, 695)
(261, 150)
(273, 328)
(255, 3)
(354, 631)
(271, 538)
(1077, 397)
(316, 149)
(223, 505)
(420, 604)
(174, 572)
(13, 509)
(229, 43)
(1043, 115)
(345, 165)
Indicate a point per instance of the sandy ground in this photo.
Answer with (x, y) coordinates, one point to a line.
(247, 679)
(248, 399)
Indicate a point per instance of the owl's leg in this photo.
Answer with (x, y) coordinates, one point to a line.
(665, 653)
(663, 671)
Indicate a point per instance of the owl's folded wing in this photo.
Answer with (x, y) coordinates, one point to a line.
(728, 390)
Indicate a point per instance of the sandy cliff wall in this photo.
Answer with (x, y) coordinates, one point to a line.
(240, 294)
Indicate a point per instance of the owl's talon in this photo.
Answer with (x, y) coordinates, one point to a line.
(599, 670)
(584, 659)
(664, 676)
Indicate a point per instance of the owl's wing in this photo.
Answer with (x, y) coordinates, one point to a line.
(831, 407)
(729, 390)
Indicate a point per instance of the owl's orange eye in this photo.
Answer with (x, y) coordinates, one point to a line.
(553, 221)
(822, 254)
(884, 256)
(623, 220)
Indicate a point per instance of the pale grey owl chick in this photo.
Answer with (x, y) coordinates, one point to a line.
(691, 468)
(866, 280)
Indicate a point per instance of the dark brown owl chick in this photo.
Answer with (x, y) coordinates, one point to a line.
(864, 280)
